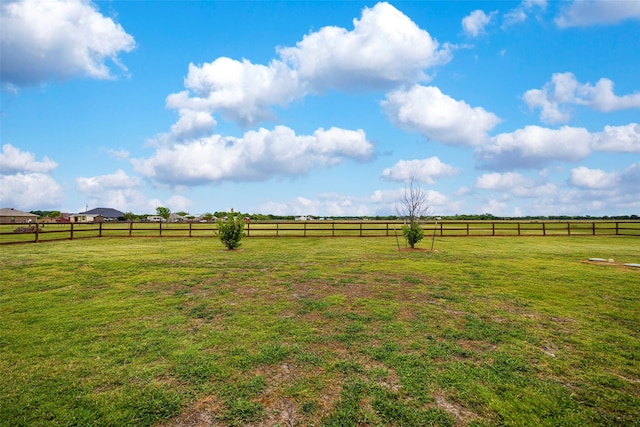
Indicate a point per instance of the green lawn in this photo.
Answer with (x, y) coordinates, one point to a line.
(331, 332)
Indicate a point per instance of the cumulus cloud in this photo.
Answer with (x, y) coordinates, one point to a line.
(583, 13)
(385, 48)
(534, 147)
(475, 23)
(425, 109)
(14, 160)
(28, 191)
(117, 190)
(58, 39)
(256, 156)
(514, 183)
(422, 170)
(564, 89)
(598, 179)
(623, 139)
(241, 91)
(25, 182)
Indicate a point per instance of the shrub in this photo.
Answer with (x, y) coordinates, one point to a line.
(413, 233)
(231, 230)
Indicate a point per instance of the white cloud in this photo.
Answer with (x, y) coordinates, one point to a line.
(13, 160)
(474, 23)
(624, 139)
(28, 191)
(533, 147)
(522, 12)
(193, 124)
(257, 156)
(425, 109)
(117, 190)
(514, 183)
(385, 48)
(241, 91)
(25, 183)
(117, 154)
(97, 184)
(592, 178)
(564, 89)
(583, 13)
(55, 39)
(178, 203)
(422, 170)
(597, 179)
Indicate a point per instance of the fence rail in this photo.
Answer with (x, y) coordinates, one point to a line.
(23, 233)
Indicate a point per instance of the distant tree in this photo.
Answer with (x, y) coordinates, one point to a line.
(130, 216)
(413, 206)
(231, 230)
(163, 212)
(54, 214)
(208, 216)
(182, 213)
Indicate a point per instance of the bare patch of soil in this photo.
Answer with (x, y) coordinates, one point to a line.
(462, 415)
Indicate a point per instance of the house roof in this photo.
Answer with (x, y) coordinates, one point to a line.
(15, 212)
(104, 212)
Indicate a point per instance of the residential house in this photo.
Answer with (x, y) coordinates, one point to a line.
(14, 216)
(97, 215)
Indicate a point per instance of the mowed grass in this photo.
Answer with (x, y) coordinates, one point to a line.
(324, 332)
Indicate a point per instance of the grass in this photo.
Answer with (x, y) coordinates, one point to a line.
(331, 332)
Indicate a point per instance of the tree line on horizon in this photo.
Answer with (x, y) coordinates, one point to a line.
(270, 217)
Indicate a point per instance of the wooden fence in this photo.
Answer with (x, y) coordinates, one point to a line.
(265, 229)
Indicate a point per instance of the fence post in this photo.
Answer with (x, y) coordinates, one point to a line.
(160, 228)
(493, 228)
(305, 229)
(440, 229)
(99, 229)
(190, 224)
(333, 229)
(518, 229)
(544, 229)
(568, 228)
(37, 231)
(360, 229)
(617, 227)
(593, 228)
(248, 228)
(130, 228)
(71, 232)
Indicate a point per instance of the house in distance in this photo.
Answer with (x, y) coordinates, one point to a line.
(14, 216)
(97, 215)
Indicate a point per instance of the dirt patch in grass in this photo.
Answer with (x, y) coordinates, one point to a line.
(462, 415)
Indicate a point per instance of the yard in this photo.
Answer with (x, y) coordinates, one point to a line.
(320, 331)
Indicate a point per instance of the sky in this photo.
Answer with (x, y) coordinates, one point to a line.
(321, 108)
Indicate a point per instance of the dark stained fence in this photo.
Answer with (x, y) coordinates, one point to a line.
(17, 233)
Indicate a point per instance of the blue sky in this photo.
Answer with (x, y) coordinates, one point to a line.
(322, 108)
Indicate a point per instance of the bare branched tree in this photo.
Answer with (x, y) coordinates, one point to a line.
(414, 204)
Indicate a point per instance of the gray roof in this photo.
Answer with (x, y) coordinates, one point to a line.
(14, 212)
(104, 212)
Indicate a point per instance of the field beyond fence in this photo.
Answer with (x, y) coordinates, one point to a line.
(23, 233)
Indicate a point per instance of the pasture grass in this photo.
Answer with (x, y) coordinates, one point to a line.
(324, 332)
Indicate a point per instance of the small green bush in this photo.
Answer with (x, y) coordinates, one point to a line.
(231, 230)
(413, 233)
